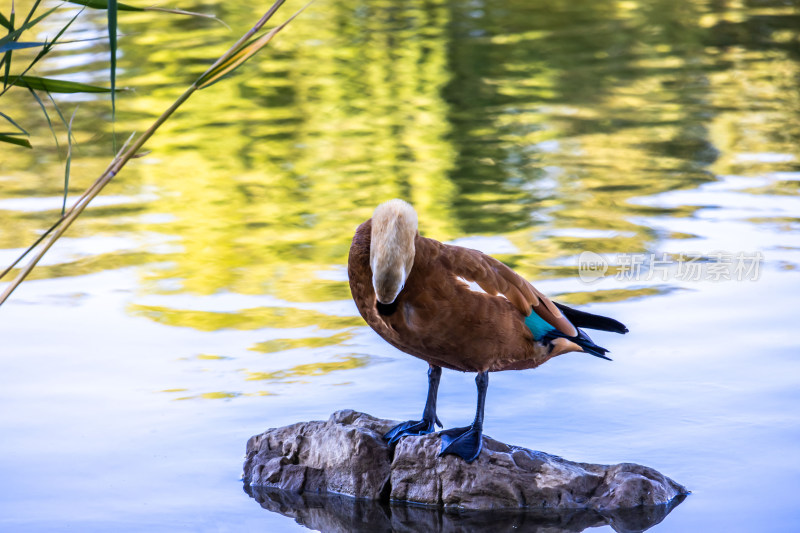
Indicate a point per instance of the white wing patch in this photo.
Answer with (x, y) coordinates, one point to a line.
(474, 287)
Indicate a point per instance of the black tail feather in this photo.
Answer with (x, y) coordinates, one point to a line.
(588, 320)
(582, 340)
(589, 346)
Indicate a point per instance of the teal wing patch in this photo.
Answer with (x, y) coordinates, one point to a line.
(538, 326)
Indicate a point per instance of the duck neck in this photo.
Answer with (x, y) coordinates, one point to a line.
(394, 228)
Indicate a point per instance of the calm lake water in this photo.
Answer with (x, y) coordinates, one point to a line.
(203, 298)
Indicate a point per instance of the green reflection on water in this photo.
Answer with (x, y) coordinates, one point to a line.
(279, 345)
(244, 319)
(220, 395)
(613, 295)
(529, 120)
(313, 369)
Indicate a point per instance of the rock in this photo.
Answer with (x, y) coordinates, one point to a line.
(334, 513)
(347, 455)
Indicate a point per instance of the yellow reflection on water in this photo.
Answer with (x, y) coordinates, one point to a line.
(211, 357)
(279, 345)
(221, 395)
(243, 319)
(535, 123)
(612, 295)
(314, 369)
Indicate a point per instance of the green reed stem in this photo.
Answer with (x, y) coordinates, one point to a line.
(121, 160)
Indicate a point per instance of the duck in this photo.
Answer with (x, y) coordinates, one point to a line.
(459, 309)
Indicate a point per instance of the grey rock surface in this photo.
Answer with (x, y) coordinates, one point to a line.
(347, 455)
(334, 513)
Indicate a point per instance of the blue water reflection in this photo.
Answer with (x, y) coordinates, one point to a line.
(205, 298)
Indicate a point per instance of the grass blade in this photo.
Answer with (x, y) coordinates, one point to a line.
(46, 115)
(18, 45)
(244, 53)
(60, 115)
(105, 4)
(12, 138)
(15, 45)
(13, 35)
(47, 47)
(263, 20)
(243, 39)
(11, 120)
(112, 42)
(4, 22)
(7, 55)
(32, 10)
(187, 13)
(114, 168)
(57, 86)
(31, 247)
(69, 160)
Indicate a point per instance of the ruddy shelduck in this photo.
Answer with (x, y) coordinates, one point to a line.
(415, 293)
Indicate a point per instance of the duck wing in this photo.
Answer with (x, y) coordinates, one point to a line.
(495, 278)
(582, 319)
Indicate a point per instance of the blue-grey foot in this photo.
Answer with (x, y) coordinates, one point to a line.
(429, 418)
(465, 442)
(411, 428)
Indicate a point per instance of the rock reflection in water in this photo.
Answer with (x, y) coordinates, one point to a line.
(336, 513)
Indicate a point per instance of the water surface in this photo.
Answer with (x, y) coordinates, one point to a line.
(204, 297)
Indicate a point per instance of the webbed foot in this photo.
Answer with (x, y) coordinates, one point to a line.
(411, 428)
(465, 442)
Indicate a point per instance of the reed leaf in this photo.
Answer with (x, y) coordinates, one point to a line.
(14, 138)
(242, 40)
(12, 121)
(4, 22)
(112, 42)
(188, 13)
(42, 237)
(69, 160)
(16, 45)
(61, 116)
(7, 54)
(116, 166)
(245, 52)
(260, 24)
(43, 51)
(104, 4)
(13, 35)
(32, 10)
(46, 114)
(58, 86)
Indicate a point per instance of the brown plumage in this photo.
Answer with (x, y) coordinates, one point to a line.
(439, 319)
(431, 312)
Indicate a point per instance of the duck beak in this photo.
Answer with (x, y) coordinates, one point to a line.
(387, 288)
(386, 300)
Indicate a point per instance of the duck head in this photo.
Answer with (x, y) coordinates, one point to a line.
(391, 253)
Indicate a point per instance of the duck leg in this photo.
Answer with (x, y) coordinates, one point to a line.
(429, 418)
(466, 442)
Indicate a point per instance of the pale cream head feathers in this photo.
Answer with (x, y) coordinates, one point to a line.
(391, 253)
